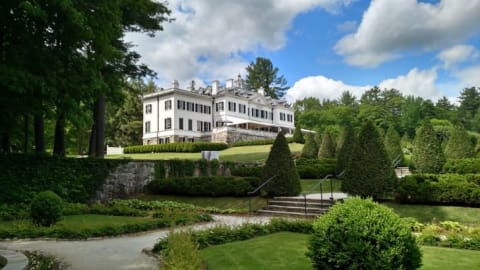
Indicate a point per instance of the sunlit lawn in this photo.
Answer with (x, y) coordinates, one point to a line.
(285, 251)
(313, 186)
(255, 153)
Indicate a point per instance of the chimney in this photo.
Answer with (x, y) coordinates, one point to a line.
(175, 84)
(239, 82)
(192, 85)
(261, 91)
(215, 86)
(229, 83)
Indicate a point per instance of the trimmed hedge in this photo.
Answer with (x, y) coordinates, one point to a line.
(462, 166)
(73, 179)
(315, 168)
(204, 186)
(247, 170)
(448, 189)
(46, 208)
(181, 147)
(258, 142)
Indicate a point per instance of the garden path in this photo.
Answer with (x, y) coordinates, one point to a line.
(124, 252)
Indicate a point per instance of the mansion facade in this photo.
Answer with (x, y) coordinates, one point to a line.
(217, 113)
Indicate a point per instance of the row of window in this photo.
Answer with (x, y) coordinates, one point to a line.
(202, 126)
(193, 107)
(286, 117)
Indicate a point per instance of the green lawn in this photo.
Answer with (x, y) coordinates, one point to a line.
(311, 185)
(429, 213)
(287, 251)
(254, 153)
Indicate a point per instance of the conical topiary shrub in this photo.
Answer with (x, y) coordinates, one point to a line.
(310, 148)
(327, 148)
(427, 156)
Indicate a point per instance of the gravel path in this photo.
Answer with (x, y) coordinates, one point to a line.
(123, 252)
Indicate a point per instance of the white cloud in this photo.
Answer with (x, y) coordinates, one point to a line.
(457, 54)
(321, 87)
(390, 28)
(347, 26)
(415, 82)
(469, 77)
(207, 37)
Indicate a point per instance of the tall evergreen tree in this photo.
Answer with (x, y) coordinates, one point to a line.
(280, 164)
(427, 156)
(392, 145)
(327, 148)
(310, 148)
(459, 144)
(345, 149)
(298, 135)
(262, 74)
(369, 172)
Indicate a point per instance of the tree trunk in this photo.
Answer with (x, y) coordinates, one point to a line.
(92, 145)
(59, 144)
(25, 134)
(100, 127)
(39, 133)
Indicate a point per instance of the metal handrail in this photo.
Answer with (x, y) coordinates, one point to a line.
(396, 160)
(255, 191)
(320, 183)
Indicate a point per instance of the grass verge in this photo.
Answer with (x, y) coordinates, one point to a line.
(286, 250)
(311, 186)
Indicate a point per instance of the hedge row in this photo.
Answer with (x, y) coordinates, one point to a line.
(204, 186)
(462, 166)
(258, 142)
(451, 189)
(182, 147)
(223, 234)
(73, 179)
(315, 168)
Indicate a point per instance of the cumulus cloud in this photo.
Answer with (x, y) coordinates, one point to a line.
(457, 54)
(207, 38)
(347, 26)
(416, 82)
(390, 28)
(469, 76)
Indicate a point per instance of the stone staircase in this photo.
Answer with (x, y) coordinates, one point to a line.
(296, 207)
(402, 172)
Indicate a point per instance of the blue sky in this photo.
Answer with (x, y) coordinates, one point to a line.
(323, 47)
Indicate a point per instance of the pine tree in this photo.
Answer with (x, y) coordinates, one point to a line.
(280, 164)
(392, 145)
(297, 135)
(310, 148)
(459, 144)
(345, 150)
(327, 148)
(427, 156)
(369, 172)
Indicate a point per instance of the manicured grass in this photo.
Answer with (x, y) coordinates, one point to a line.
(311, 185)
(284, 251)
(431, 213)
(254, 153)
(239, 204)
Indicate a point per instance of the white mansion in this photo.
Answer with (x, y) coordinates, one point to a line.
(216, 113)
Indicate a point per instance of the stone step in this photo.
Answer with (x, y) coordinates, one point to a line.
(318, 204)
(287, 214)
(281, 208)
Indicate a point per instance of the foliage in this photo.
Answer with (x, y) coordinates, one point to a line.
(310, 148)
(39, 261)
(345, 148)
(315, 168)
(392, 145)
(73, 179)
(459, 144)
(298, 135)
(327, 148)
(204, 186)
(369, 172)
(181, 252)
(462, 166)
(427, 156)
(247, 170)
(360, 234)
(46, 208)
(257, 142)
(449, 189)
(281, 166)
(3, 262)
(184, 147)
(262, 74)
(469, 105)
(223, 234)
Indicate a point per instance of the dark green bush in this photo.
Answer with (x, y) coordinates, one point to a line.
(46, 208)
(73, 179)
(361, 234)
(181, 147)
(315, 168)
(247, 170)
(3, 262)
(462, 166)
(204, 186)
(447, 189)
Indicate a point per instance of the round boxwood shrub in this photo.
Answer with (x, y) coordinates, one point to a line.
(361, 234)
(46, 208)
